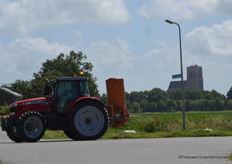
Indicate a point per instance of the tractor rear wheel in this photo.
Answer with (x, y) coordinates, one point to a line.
(69, 134)
(88, 121)
(31, 126)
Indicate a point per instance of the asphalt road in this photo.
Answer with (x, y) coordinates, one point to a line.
(202, 150)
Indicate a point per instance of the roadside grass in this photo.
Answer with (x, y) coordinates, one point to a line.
(114, 133)
(54, 134)
(160, 125)
(4, 162)
(230, 157)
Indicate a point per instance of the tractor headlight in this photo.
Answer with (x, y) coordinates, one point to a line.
(12, 109)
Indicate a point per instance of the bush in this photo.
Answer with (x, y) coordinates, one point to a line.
(151, 126)
(4, 110)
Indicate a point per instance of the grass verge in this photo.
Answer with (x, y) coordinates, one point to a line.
(230, 157)
(113, 133)
(4, 162)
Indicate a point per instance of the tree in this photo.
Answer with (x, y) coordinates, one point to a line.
(217, 95)
(204, 105)
(189, 105)
(104, 98)
(129, 106)
(64, 65)
(161, 106)
(218, 104)
(151, 107)
(171, 105)
(175, 95)
(229, 105)
(69, 65)
(144, 105)
(136, 107)
(192, 94)
(134, 96)
(229, 94)
(207, 95)
(156, 94)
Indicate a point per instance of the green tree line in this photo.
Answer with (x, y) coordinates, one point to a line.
(158, 100)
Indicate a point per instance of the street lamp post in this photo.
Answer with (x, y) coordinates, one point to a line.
(181, 67)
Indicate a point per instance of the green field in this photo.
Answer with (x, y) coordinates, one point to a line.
(156, 125)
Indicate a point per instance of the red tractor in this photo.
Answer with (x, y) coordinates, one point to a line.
(69, 108)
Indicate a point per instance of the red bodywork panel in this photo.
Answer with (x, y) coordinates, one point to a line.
(35, 104)
(41, 105)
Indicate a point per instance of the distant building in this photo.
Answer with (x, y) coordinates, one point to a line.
(176, 85)
(194, 77)
(194, 80)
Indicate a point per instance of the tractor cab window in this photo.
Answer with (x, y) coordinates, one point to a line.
(84, 89)
(66, 93)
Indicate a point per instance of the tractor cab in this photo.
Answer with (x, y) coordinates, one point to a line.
(65, 90)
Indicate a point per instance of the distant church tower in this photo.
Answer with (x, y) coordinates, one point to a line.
(194, 77)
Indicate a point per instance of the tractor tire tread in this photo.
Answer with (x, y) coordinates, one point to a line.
(20, 126)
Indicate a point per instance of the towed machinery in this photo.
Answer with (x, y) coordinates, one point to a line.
(69, 108)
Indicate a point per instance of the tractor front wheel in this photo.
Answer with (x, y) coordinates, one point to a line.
(31, 126)
(12, 134)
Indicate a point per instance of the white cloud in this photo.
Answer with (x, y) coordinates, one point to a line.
(22, 16)
(184, 9)
(23, 56)
(109, 58)
(214, 40)
(162, 59)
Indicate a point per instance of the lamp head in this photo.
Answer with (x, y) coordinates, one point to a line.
(170, 22)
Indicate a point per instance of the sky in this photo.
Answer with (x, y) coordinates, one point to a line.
(126, 39)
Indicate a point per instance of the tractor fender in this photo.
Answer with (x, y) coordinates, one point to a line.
(82, 99)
